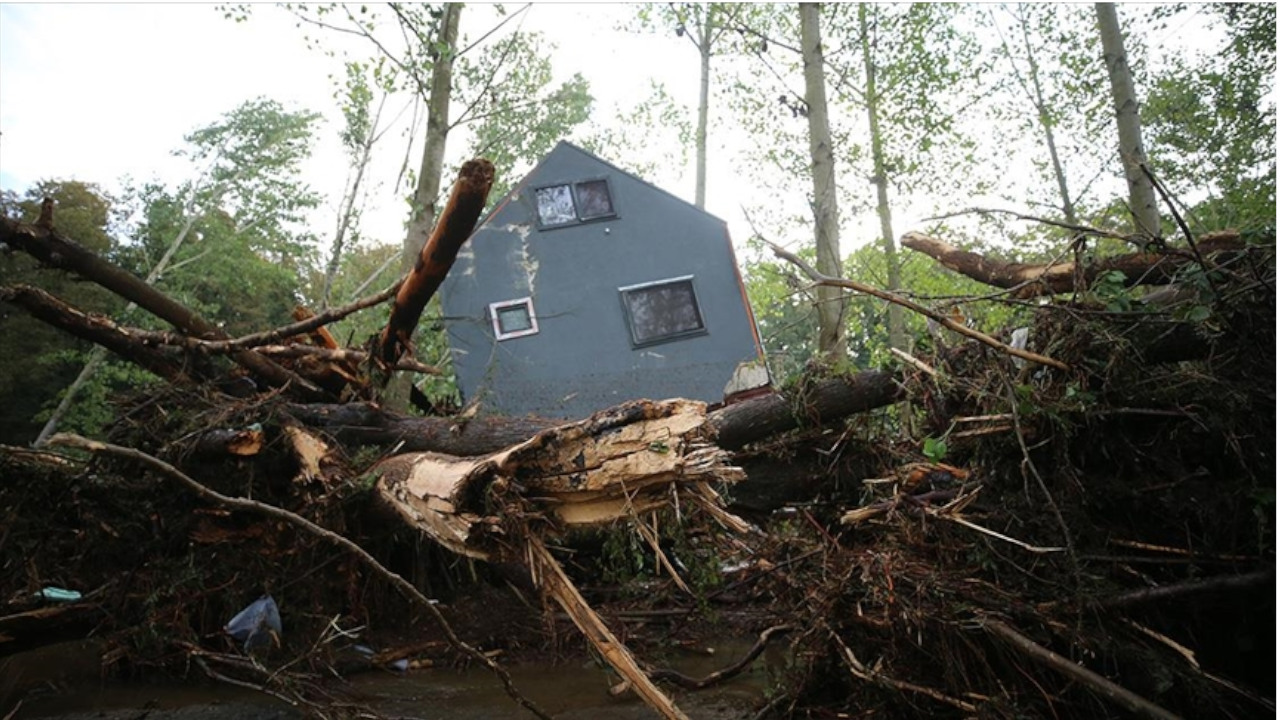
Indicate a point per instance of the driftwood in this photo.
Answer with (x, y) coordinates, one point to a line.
(1032, 280)
(452, 229)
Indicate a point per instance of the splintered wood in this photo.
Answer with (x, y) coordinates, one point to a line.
(615, 465)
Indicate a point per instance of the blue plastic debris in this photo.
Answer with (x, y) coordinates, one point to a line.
(57, 594)
(257, 626)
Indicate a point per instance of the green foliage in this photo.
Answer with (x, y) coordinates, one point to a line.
(39, 360)
(935, 448)
(1211, 123)
(514, 113)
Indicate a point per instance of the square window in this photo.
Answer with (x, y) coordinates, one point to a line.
(513, 318)
(662, 311)
(555, 205)
(594, 200)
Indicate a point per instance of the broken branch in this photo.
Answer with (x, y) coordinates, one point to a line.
(452, 230)
(940, 318)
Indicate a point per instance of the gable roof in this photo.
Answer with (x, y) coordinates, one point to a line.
(566, 146)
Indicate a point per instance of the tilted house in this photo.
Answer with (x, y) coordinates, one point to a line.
(586, 287)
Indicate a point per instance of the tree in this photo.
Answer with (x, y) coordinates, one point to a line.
(1210, 121)
(705, 25)
(39, 363)
(826, 215)
(228, 242)
(1133, 156)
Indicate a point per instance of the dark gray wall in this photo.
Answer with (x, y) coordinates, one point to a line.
(582, 358)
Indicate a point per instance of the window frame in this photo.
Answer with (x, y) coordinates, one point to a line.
(574, 198)
(496, 307)
(637, 342)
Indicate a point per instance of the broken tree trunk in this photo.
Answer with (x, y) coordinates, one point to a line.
(1033, 280)
(616, 464)
(613, 466)
(451, 231)
(736, 425)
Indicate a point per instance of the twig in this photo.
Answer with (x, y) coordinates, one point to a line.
(268, 337)
(1117, 694)
(411, 592)
(1182, 224)
(940, 318)
(973, 526)
(858, 670)
(1028, 464)
(913, 362)
(720, 676)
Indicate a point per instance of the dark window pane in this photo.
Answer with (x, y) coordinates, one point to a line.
(555, 205)
(659, 312)
(514, 319)
(594, 200)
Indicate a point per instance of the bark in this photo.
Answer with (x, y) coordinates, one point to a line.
(736, 425)
(437, 256)
(429, 174)
(1033, 280)
(56, 250)
(704, 99)
(893, 280)
(1142, 196)
(614, 465)
(826, 214)
(94, 328)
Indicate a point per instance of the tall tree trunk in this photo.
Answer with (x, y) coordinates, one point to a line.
(1046, 125)
(826, 214)
(347, 208)
(897, 328)
(428, 190)
(423, 218)
(1142, 196)
(704, 101)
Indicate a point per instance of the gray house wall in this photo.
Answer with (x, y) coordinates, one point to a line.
(582, 357)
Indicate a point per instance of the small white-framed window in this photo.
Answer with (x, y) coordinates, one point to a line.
(513, 318)
(572, 203)
(662, 310)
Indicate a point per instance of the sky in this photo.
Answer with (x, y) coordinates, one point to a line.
(102, 92)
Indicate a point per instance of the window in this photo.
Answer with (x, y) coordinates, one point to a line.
(555, 206)
(571, 203)
(513, 318)
(662, 311)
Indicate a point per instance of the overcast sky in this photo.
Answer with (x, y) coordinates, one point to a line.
(100, 92)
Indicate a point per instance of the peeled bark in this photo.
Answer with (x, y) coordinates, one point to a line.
(437, 256)
(1033, 280)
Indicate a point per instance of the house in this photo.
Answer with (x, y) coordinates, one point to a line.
(586, 286)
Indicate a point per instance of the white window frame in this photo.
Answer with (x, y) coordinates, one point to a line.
(496, 307)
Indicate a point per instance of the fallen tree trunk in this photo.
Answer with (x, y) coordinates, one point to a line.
(736, 425)
(96, 329)
(1033, 280)
(56, 250)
